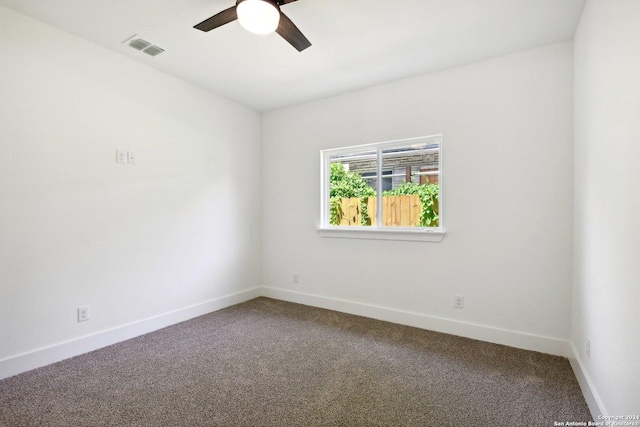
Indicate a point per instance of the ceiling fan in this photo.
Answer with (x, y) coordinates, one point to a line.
(260, 17)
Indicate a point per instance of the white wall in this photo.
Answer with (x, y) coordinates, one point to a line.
(507, 126)
(179, 229)
(606, 293)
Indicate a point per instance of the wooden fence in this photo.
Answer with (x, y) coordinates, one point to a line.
(397, 211)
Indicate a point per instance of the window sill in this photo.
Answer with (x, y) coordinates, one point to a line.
(383, 234)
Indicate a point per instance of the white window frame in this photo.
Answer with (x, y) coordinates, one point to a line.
(379, 232)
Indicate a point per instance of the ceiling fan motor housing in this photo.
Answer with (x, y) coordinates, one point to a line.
(272, 2)
(258, 16)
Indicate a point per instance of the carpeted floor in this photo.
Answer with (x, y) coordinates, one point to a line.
(273, 363)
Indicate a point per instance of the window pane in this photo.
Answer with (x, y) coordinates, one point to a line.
(412, 200)
(352, 189)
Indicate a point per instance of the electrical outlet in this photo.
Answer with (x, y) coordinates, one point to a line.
(459, 301)
(121, 156)
(131, 157)
(296, 278)
(588, 348)
(83, 314)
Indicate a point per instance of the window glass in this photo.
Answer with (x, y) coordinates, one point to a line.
(406, 174)
(350, 190)
(412, 200)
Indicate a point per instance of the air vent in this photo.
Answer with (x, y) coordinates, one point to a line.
(139, 44)
(144, 46)
(153, 50)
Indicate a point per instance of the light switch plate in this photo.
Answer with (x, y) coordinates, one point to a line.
(131, 157)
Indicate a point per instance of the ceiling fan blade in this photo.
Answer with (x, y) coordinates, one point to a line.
(218, 20)
(281, 2)
(292, 34)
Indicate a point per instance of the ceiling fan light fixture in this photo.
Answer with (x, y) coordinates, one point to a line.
(258, 16)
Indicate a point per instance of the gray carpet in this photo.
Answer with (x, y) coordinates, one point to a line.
(273, 363)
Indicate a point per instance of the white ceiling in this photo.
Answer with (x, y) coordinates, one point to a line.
(356, 43)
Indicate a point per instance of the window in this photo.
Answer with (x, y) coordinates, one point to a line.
(407, 176)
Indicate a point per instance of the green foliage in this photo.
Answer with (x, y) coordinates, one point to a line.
(343, 183)
(428, 199)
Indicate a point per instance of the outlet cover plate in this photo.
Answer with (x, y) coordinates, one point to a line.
(588, 348)
(459, 301)
(121, 156)
(83, 314)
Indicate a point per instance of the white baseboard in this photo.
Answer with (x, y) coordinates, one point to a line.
(45, 356)
(586, 385)
(516, 339)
